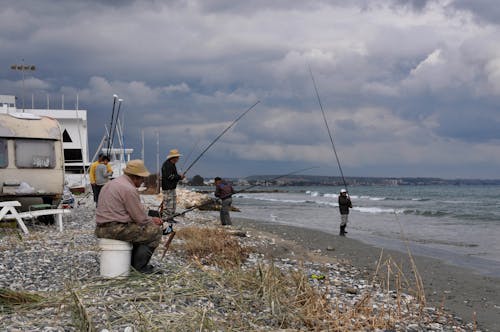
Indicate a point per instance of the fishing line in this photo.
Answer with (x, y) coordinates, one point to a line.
(220, 135)
(242, 190)
(328, 128)
(190, 153)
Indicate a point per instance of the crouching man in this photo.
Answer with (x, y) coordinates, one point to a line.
(121, 216)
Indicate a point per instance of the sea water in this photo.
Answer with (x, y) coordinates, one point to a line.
(458, 224)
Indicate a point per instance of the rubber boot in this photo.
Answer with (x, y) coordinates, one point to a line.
(141, 254)
(342, 231)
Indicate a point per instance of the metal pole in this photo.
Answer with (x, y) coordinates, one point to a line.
(142, 141)
(22, 67)
(158, 161)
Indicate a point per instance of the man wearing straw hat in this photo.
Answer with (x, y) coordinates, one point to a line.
(169, 179)
(121, 216)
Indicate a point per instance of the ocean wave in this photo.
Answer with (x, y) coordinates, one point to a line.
(269, 199)
(447, 243)
(426, 213)
(374, 210)
(419, 199)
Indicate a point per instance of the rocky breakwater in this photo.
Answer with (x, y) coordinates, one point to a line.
(189, 199)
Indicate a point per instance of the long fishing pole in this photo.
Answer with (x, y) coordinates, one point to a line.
(117, 119)
(220, 135)
(328, 128)
(111, 124)
(242, 190)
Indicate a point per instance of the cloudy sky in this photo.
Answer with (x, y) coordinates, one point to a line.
(409, 88)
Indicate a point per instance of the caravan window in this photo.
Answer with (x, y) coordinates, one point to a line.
(4, 160)
(35, 153)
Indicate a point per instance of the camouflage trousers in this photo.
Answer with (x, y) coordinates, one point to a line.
(169, 204)
(149, 234)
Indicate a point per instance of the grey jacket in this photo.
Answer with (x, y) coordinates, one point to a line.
(102, 175)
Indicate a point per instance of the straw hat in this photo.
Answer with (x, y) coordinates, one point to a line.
(136, 167)
(173, 153)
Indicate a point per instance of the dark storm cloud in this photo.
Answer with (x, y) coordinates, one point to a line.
(400, 81)
(487, 10)
(415, 4)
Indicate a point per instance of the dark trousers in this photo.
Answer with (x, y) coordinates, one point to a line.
(97, 190)
(225, 219)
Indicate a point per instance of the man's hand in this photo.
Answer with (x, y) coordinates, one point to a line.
(157, 221)
(183, 175)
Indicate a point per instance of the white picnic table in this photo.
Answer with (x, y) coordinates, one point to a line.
(9, 212)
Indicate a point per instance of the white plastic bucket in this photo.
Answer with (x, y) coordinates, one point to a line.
(115, 258)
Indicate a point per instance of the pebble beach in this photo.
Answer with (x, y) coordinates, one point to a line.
(59, 275)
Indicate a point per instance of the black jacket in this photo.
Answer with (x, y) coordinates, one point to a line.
(344, 204)
(169, 176)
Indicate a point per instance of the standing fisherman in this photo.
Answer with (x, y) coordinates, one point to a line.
(224, 191)
(169, 179)
(102, 176)
(344, 206)
(92, 169)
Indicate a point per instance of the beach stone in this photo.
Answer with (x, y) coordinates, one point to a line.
(351, 290)
(413, 328)
(435, 327)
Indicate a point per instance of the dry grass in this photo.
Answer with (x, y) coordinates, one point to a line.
(10, 298)
(211, 246)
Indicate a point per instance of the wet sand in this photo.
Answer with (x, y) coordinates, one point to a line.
(471, 296)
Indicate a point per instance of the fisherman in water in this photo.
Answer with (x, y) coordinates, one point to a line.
(169, 179)
(344, 206)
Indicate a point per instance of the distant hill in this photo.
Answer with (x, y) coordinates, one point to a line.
(308, 180)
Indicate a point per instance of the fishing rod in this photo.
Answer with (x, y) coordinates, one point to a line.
(328, 128)
(115, 97)
(117, 120)
(242, 190)
(220, 135)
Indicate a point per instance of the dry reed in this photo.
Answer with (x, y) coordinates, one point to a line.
(212, 246)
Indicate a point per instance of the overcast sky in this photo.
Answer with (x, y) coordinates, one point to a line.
(409, 88)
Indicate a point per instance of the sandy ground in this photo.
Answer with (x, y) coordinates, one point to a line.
(469, 295)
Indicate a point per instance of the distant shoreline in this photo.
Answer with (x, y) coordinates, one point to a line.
(324, 181)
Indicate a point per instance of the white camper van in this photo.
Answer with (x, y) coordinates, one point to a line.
(31, 159)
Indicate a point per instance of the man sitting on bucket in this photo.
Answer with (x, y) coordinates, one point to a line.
(121, 216)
